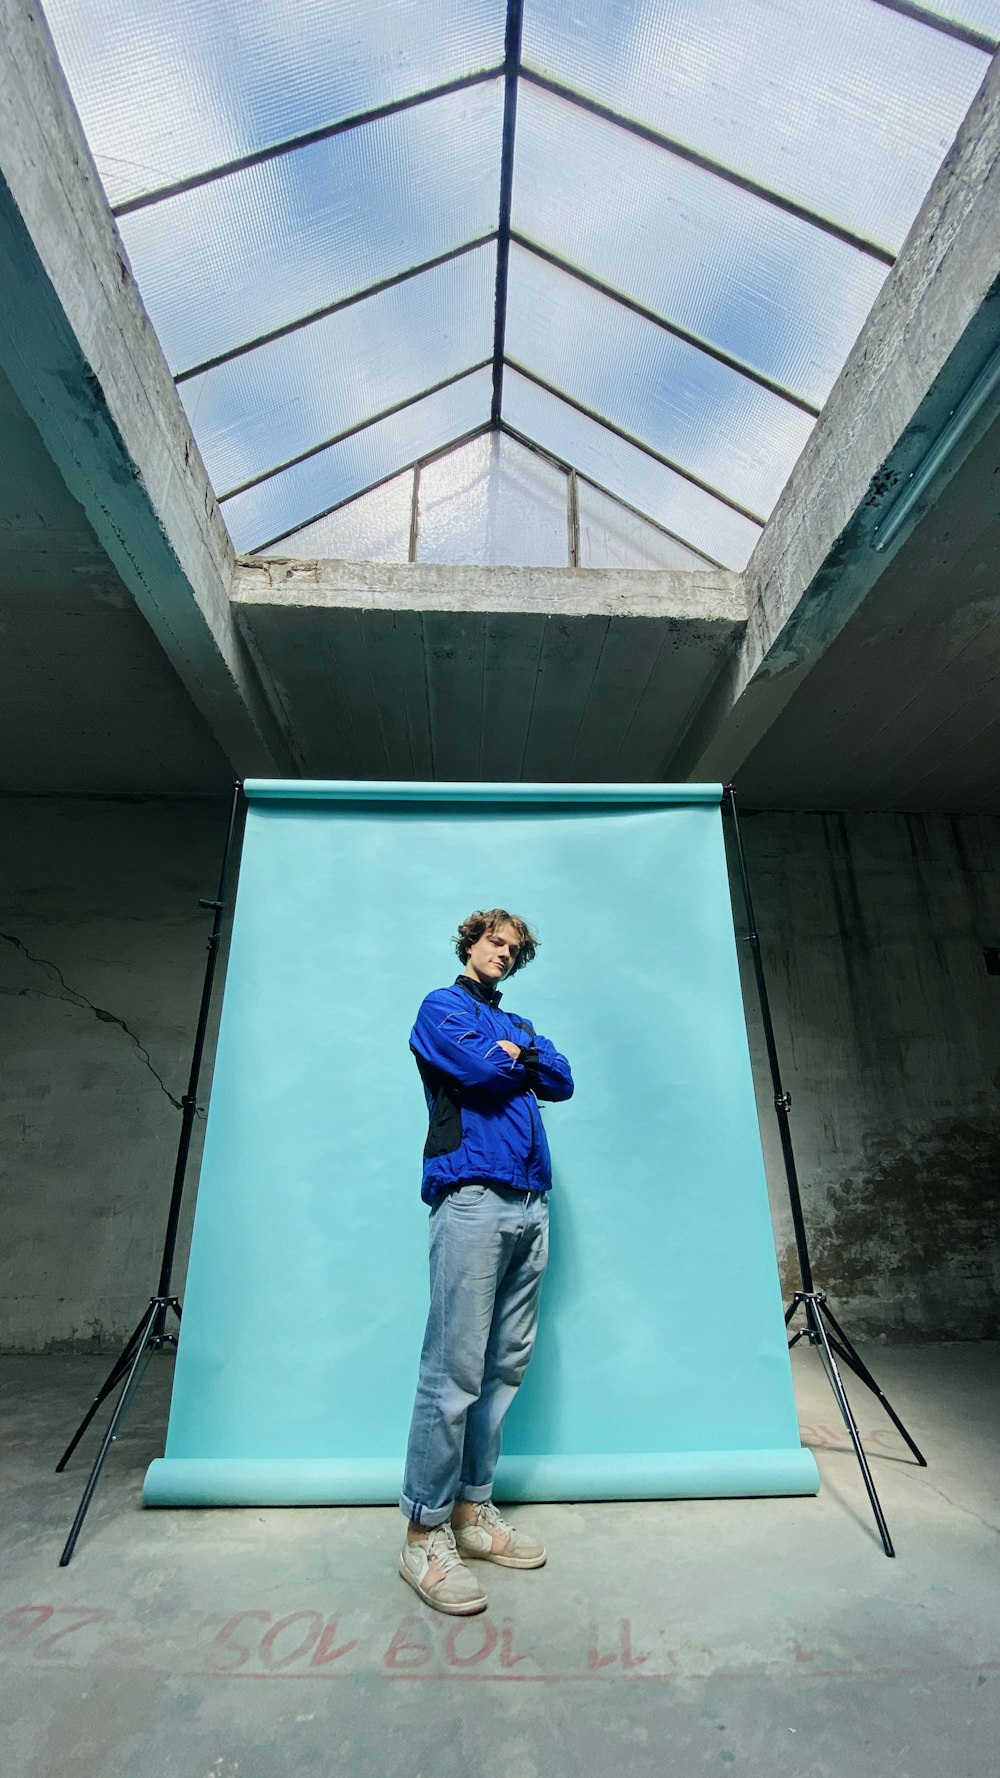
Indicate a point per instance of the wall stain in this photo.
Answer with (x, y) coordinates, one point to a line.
(927, 1208)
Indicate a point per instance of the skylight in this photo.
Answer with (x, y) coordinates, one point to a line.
(640, 237)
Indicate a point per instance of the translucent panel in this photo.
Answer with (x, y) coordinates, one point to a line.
(373, 528)
(613, 537)
(259, 410)
(847, 109)
(703, 522)
(493, 502)
(173, 87)
(232, 260)
(728, 431)
(291, 500)
(773, 291)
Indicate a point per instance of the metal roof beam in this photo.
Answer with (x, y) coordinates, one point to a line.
(512, 63)
(386, 413)
(571, 469)
(681, 333)
(873, 249)
(344, 302)
(947, 27)
(291, 144)
(369, 488)
(629, 438)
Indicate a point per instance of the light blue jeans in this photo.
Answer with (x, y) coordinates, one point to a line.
(488, 1249)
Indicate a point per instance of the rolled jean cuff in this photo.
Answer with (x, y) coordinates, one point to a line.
(477, 1494)
(427, 1516)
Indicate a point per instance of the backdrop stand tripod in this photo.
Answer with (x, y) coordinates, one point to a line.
(822, 1329)
(150, 1335)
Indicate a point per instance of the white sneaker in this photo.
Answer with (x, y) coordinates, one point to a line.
(489, 1538)
(432, 1566)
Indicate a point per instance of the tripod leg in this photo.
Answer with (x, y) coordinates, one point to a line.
(131, 1382)
(111, 1381)
(830, 1364)
(853, 1357)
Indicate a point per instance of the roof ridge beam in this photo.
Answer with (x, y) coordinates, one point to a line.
(386, 413)
(673, 145)
(629, 438)
(512, 66)
(334, 308)
(291, 144)
(700, 344)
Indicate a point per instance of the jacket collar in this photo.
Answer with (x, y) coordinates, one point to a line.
(479, 990)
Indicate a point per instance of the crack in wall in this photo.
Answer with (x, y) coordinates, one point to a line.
(73, 997)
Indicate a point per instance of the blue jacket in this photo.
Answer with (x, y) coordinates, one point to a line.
(483, 1105)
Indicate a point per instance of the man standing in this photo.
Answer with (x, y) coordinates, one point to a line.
(486, 1177)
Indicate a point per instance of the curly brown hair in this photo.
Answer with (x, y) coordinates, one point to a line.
(490, 920)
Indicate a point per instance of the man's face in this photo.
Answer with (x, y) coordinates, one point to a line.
(494, 955)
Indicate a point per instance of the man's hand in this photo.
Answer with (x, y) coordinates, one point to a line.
(513, 1049)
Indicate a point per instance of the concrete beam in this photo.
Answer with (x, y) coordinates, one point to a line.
(82, 357)
(712, 597)
(933, 327)
(426, 671)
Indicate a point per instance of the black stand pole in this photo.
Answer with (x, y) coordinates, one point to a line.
(821, 1328)
(150, 1335)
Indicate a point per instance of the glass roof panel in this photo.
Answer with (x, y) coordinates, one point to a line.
(171, 88)
(613, 537)
(226, 262)
(692, 515)
(729, 432)
(768, 288)
(846, 108)
(495, 503)
(259, 410)
(373, 528)
(295, 497)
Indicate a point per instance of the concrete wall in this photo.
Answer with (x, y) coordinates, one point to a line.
(888, 1025)
(102, 957)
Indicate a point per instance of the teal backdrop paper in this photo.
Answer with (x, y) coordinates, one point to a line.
(661, 1366)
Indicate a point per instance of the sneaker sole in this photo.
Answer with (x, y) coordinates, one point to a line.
(466, 1609)
(504, 1561)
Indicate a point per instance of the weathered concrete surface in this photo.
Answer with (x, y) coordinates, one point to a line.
(934, 325)
(902, 710)
(420, 671)
(887, 1024)
(78, 349)
(888, 1027)
(711, 596)
(90, 701)
(102, 957)
(752, 1637)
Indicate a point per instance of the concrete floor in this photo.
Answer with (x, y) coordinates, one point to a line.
(764, 1637)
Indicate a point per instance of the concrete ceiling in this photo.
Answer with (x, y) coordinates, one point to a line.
(903, 709)
(833, 675)
(536, 674)
(90, 701)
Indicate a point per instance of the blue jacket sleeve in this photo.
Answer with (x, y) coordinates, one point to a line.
(548, 1072)
(452, 1040)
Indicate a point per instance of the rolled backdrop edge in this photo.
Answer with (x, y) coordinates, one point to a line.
(331, 1481)
(420, 791)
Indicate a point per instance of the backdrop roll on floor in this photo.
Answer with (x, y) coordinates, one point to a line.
(661, 1366)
